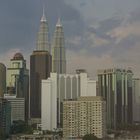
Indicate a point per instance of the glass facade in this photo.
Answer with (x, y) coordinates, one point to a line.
(58, 50)
(5, 115)
(115, 85)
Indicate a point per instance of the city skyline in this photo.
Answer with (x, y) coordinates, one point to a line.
(105, 34)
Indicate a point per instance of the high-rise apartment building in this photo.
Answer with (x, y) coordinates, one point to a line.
(5, 116)
(115, 85)
(86, 115)
(59, 87)
(2, 79)
(136, 100)
(58, 50)
(18, 80)
(40, 68)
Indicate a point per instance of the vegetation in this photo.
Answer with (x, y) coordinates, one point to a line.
(60, 133)
(90, 137)
(20, 127)
(2, 135)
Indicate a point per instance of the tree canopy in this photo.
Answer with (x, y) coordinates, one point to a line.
(20, 127)
(90, 137)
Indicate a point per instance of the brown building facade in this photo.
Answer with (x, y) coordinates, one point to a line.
(40, 68)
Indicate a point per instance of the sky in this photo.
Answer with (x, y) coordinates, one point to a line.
(98, 33)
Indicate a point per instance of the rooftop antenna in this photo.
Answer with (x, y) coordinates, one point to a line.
(43, 8)
(59, 19)
(43, 16)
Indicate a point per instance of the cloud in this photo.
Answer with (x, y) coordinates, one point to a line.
(82, 60)
(105, 42)
(5, 57)
(114, 42)
(20, 21)
(125, 31)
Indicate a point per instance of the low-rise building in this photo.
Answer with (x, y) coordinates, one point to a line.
(17, 107)
(5, 116)
(35, 137)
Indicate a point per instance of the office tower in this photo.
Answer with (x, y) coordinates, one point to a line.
(5, 116)
(59, 87)
(58, 50)
(2, 79)
(86, 115)
(18, 80)
(40, 68)
(17, 107)
(115, 85)
(136, 100)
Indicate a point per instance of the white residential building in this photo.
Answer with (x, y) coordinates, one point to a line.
(87, 115)
(59, 87)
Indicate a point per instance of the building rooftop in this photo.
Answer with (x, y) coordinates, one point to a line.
(18, 56)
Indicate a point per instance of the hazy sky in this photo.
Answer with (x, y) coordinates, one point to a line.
(98, 33)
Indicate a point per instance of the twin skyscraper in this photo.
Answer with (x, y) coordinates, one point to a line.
(45, 59)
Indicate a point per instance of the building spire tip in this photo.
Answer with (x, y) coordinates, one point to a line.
(59, 22)
(43, 16)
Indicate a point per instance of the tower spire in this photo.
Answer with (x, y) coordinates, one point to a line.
(42, 42)
(43, 10)
(43, 19)
(59, 22)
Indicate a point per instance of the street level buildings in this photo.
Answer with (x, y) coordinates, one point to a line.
(136, 100)
(86, 115)
(5, 116)
(58, 50)
(17, 107)
(40, 68)
(35, 137)
(57, 88)
(115, 85)
(2, 79)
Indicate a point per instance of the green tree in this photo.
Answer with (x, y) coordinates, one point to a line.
(90, 137)
(2, 135)
(20, 127)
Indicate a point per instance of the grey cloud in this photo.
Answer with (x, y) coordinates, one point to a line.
(20, 21)
(134, 16)
(100, 32)
(109, 24)
(125, 46)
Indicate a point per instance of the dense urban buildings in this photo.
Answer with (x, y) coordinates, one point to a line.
(18, 80)
(5, 116)
(59, 87)
(72, 105)
(40, 68)
(86, 115)
(17, 107)
(58, 50)
(2, 79)
(35, 137)
(115, 85)
(136, 100)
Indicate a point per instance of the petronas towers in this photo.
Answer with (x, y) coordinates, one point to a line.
(42, 62)
(58, 50)
(57, 46)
